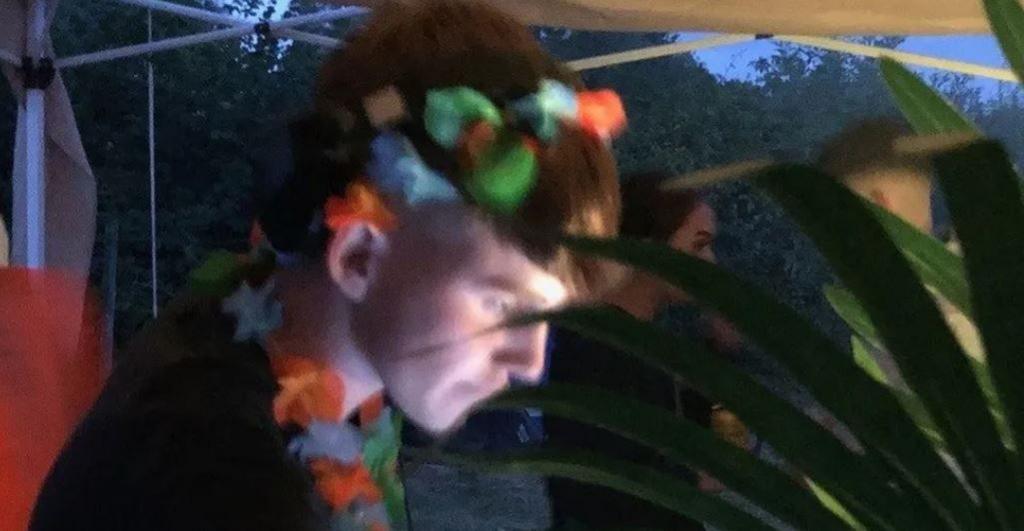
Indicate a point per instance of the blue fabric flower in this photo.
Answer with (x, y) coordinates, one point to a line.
(397, 169)
(545, 109)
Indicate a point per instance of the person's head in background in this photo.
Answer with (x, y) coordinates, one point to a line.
(420, 301)
(681, 219)
(863, 157)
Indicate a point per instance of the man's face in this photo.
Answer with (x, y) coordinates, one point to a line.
(427, 322)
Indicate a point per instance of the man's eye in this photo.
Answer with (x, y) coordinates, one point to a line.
(500, 305)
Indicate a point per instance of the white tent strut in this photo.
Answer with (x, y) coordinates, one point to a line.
(189, 40)
(217, 18)
(158, 46)
(962, 67)
(661, 50)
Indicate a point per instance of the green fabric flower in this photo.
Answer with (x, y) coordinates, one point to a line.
(504, 175)
(450, 110)
(380, 455)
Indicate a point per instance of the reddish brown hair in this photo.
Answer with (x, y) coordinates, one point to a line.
(447, 43)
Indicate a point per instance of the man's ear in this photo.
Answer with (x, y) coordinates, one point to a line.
(353, 258)
(881, 199)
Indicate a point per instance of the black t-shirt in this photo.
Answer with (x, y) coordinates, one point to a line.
(578, 360)
(182, 438)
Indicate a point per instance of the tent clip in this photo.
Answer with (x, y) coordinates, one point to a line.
(263, 30)
(37, 75)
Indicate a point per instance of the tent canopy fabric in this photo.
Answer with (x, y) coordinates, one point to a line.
(802, 17)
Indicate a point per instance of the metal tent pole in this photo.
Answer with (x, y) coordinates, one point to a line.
(110, 291)
(31, 248)
(151, 138)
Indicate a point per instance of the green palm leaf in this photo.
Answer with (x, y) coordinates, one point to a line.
(906, 318)
(682, 442)
(642, 482)
(1007, 20)
(856, 480)
(972, 176)
(875, 415)
(927, 111)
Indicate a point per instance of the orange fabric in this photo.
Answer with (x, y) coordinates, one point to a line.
(361, 203)
(341, 484)
(309, 391)
(51, 369)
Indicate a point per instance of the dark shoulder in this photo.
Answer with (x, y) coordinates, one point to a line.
(181, 439)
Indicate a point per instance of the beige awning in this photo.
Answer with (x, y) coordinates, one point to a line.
(804, 17)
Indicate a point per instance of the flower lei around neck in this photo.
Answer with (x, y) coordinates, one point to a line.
(355, 468)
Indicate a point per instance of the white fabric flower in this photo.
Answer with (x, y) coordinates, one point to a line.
(256, 311)
(342, 442)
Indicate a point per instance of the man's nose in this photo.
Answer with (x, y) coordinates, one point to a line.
(522, 353)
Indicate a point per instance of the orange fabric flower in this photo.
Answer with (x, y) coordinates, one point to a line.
(474, 142)
(361, 203)
(309, 391)
(601, 113)
(341, 484)
(371, 410)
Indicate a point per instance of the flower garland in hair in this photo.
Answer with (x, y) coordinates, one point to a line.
(500, 160)
(496, 146)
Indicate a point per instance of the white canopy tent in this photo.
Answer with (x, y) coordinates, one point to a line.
(54, 188)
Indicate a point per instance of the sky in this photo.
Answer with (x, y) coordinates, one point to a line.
(733, 61)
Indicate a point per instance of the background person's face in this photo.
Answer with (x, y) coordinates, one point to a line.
(425, 323)
(696, 236)
(900, 193)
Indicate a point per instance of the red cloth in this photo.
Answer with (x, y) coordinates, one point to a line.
(51, 369)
